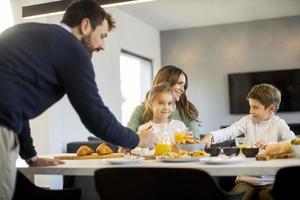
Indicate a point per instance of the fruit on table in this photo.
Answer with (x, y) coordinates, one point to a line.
(296, 141)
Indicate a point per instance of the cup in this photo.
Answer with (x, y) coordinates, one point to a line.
(160, 149)
(180, 137)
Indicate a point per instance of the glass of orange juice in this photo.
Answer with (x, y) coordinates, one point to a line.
(180, 137)
(162, 148)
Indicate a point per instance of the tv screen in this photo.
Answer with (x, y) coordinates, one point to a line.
(287, 81)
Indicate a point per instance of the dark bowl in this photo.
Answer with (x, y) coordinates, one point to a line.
(250, 152)
(213, 151)
(231, 151)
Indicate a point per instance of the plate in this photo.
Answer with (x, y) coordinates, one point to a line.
(191, 159)
(120, 161)
(220, 161)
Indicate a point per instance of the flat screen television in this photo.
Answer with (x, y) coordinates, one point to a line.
(287, 81)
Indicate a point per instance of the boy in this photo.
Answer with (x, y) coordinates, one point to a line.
(260, 127)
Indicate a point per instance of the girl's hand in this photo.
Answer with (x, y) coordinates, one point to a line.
(207, 139)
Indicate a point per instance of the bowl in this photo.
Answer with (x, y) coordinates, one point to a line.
(250, 152)
(191, 147)
(231, 151)
(213, 151)
(296, 149)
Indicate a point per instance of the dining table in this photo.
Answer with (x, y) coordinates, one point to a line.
(221, 167)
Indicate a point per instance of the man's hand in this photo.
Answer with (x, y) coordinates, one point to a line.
(207, 139)
(147, 139)
(46, 162)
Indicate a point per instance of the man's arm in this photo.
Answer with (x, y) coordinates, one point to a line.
(78, 80)
(27, 150)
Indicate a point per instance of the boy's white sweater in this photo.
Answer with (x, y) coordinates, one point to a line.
(272, 130)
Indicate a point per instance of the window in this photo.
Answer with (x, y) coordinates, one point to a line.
(6, 16)
(136, 76)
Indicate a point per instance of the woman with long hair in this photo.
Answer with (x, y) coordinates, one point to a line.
(185, 111)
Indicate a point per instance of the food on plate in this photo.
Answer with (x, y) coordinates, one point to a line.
(123, 150)
(184, 154)
(278, 148)
(103, 149)
(84, 150)
(198, 153)
(263, 156)
(295, 141)
(185, 138)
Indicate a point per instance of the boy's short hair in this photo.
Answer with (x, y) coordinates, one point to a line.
(266, 94)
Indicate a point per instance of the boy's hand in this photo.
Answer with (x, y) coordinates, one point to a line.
(207, 139)
(261, 144)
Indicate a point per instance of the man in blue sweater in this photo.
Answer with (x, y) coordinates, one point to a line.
(39, 64)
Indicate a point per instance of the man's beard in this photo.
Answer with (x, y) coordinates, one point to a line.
(86, 41)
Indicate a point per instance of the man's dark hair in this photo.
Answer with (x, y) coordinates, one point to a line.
(80, 9)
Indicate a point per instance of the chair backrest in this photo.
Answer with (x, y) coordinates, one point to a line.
(158, 183)
(25, 189)
(284, 186)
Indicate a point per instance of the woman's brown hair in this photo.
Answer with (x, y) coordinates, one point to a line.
(171, 74)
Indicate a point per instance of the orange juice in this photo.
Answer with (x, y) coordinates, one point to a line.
(180, 137)
(162, 148)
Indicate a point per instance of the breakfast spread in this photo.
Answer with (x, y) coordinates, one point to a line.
(184, 154)
(85, 152)
(295, 141)
(276, 151)
(103, 149)
(279, 148)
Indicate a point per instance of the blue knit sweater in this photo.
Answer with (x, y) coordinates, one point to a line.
(39, 64)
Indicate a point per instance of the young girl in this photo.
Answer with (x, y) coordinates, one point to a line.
(159, 107)
(185, 110)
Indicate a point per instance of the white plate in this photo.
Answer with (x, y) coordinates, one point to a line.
(220, 161)
(119, 161)
(191, 159)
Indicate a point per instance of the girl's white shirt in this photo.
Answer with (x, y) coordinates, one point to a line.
(172, 127)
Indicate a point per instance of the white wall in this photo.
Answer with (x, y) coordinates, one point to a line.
(208, 54)
(60, 124)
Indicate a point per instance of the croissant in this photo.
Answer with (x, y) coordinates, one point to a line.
(103, 149)
(279, 148)
(84, 150)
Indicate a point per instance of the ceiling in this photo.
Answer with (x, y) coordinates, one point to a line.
(179, 14)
